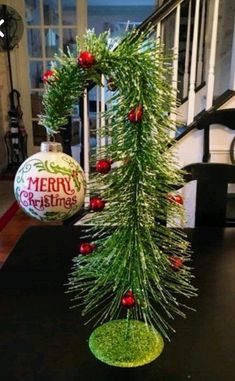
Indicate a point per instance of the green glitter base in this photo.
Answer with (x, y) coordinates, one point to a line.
(126, 344)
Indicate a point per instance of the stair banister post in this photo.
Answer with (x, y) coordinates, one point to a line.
(102, 108)
(175, 60)
(98, 142)
(201, 44)
(232, 67)
(158, 31)
(186, 62)
(191, 96)
(86, 144)
(211, 68)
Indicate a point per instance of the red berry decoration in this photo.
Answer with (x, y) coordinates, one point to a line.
(177, 198)
(86, 248)
(86, 59)
(128, 300)
(136, 114)
(176, 262)
(97, 204)
(48, 75)
(103, 166)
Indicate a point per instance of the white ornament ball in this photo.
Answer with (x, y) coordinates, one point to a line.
(50, 185)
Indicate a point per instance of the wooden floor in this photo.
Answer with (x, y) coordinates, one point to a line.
(13, 230)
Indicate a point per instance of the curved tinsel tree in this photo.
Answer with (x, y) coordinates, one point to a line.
(136, 267)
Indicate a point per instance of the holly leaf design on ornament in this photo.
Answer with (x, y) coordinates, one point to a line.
(75, 173)
(56, 216)
(40, 165)
(76, 181)
(78, 178)
(52, 168)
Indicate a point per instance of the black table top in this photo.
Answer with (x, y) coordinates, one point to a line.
(42, 339)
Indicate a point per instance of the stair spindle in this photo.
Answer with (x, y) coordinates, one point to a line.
(201, 44)
(211, 69)
(232, 66)
(191, 96)
(98, 140)
(102, 108)
(86, 143)
(187, 51)
(175, 58)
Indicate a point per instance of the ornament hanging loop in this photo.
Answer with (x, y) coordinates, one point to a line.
(50, 137)
(49, 146)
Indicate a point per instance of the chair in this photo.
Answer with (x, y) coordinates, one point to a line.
(213, 203)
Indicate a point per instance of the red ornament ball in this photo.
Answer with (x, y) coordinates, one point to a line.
(128, 300)
(136, 114)
(177, 198)
(97, 204)
(86, 248)
(176, 262)
(48, 75)
(86, 59)
(103, 166)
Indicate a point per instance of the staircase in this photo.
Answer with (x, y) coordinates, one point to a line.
(203, 75)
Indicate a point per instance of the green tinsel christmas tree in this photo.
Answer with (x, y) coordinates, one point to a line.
(131, 275)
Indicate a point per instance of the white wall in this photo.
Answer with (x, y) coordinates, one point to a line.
(20, 82)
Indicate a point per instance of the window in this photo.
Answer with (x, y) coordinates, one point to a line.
(117, 15)
(51, 25)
